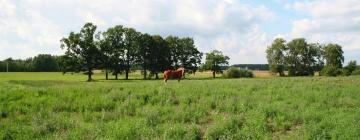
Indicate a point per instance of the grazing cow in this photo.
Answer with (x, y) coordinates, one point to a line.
(178, 74)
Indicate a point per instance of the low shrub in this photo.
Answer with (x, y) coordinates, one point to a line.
(356, 72)
(345, 72)
(234, 72)
(331, 71)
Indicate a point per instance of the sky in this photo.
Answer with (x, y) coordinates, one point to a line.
(241, 29)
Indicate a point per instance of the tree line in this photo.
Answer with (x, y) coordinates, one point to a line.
(119, 49)
(39, 63)
(301, 58)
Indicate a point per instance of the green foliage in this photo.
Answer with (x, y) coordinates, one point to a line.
(184, 53)
(331, 71)
(350, 68)
(39, 63)
(111, 46)
(234, 72)
(302, 57)
(45, 63)
(297, 56)
(356, 72)
(121, 49)
(81, 48)
(334, 55)
(160, 56)
(131, 47)
(275, 55)
(345, 72)
(214, 61)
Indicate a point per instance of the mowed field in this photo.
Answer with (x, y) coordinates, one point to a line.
(56, 106)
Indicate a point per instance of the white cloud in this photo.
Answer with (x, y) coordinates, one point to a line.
(335, 21)
(24, 32)
(227, 25)
(6, 8)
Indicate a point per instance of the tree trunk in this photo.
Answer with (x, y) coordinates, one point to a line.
(127, 70)
(214, 66)
(89, 75)
(144, 74)
(116, 76)
(106, 74)
(126, 74)
(156, 75)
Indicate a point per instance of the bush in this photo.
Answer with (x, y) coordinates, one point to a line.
(356, 72)
(345, 72)
(330, 71)
(351, 66)
(234, 72)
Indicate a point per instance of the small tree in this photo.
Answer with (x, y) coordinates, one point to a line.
(275, 55)
(334, 55)
(301, 57)
(214, 60)
(350, 68)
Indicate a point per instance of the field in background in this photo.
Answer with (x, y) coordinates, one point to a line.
(56, 106)
(101, 76)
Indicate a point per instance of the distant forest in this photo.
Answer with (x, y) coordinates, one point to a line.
(39, 63)
(52, 63)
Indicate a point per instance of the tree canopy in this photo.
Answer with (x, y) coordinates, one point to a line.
(334, 55)
(301, 58)
(120, 49)
(275, 55)
(83, 49)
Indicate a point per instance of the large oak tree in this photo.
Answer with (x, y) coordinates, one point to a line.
(81, 47)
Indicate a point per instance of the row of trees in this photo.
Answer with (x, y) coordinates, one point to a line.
(39, 63)
(301, 58)
(216, 61)
(119, 49)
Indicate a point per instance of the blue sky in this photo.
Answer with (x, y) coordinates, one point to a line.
(242, 29)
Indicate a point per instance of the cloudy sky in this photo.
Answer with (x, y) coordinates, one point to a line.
(242, 29)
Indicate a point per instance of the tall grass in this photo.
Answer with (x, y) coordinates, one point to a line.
(258, 108)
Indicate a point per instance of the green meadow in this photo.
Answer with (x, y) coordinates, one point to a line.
(56, 106)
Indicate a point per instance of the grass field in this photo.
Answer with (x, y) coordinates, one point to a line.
(56, 106)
